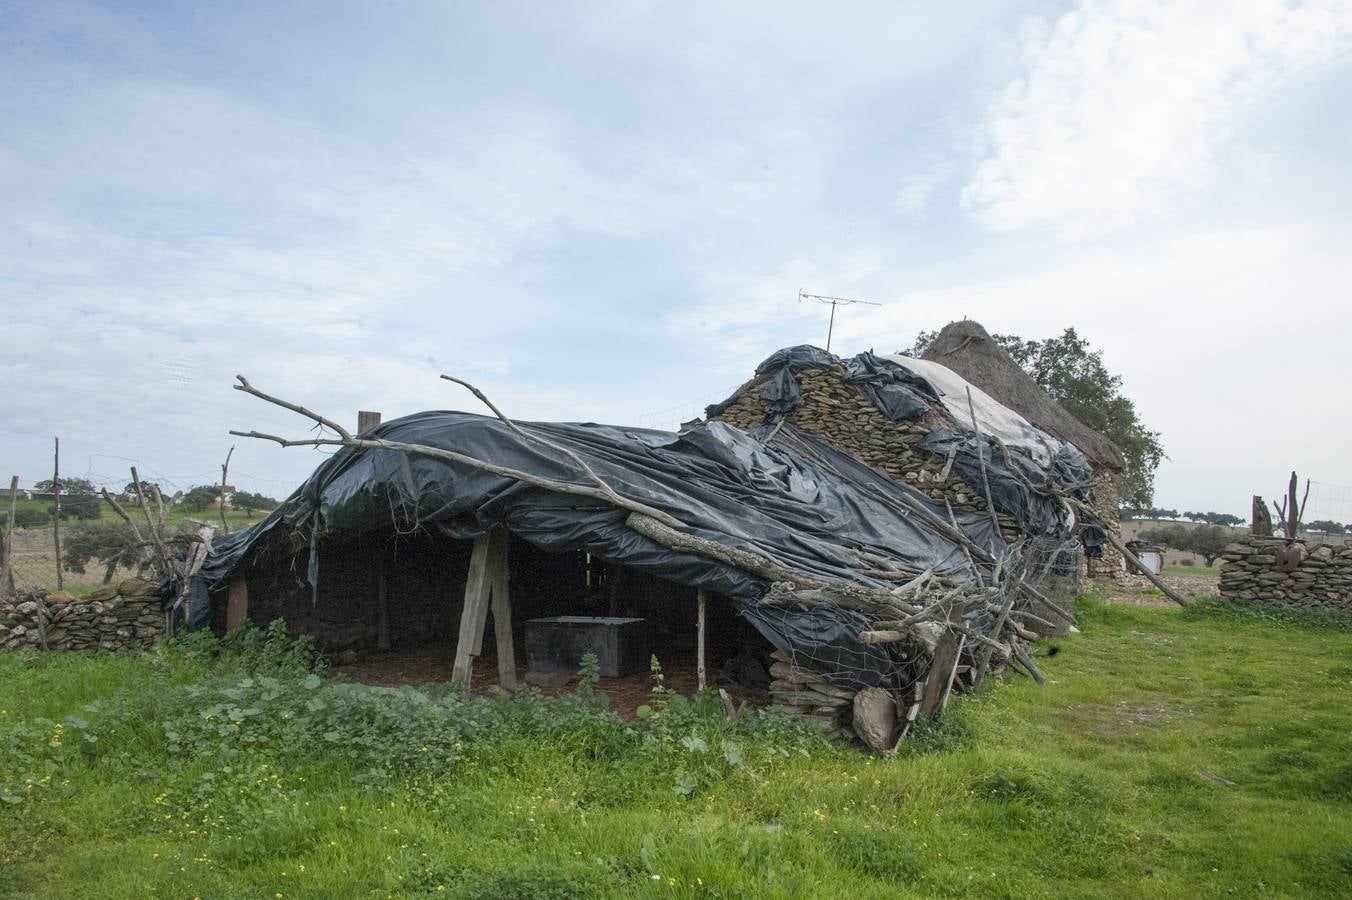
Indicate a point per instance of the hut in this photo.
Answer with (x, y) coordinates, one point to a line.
(967, 349)
(437, 529)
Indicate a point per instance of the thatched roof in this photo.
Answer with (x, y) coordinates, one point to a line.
(967, 349)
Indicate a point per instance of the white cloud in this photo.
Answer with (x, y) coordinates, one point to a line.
(1121, 105)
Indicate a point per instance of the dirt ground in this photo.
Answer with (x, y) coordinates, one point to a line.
(431, 664)
(1135, 590)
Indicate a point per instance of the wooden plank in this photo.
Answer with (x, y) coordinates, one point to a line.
(366, 420)
(940, 677)
(56, 518)
(488, 557)
(502, 611)
(237, 604)
(700, 598)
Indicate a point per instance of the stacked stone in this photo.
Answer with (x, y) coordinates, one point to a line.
(1323, 580)
(808, 695)
(847, 418)
(1111, 563)
(125, 616)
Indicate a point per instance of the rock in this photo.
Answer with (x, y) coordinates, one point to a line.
(61, 597)
(103, 593)
(875, 719)
(134, 587)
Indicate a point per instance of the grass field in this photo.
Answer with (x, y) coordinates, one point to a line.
(1200, 753)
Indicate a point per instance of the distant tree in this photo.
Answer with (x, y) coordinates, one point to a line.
(129, 492)
(201, 496)
(79, 498)
(1207, 541)
(111, 543)
(1076, 377)
(249, 502)
(1326, 526)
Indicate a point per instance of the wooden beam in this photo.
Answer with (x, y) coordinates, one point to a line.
(502, 613)
(939, 681)
(237, 604)
(366, 420)
(700, 598)
(487, 567)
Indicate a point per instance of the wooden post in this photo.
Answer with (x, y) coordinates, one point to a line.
(487, 572)
(56, 496)
(699, 631)
(237, 605)
(7, 565)
(939, 681)
(1292, 510)
(367, 420)
(502, 620)
(225, 471)
(382, 611)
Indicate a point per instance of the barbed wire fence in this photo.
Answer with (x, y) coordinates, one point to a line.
(98, 548)
(1328, 503)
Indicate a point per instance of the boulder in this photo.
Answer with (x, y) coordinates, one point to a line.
(875, 718)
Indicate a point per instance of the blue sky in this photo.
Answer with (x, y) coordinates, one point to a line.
(604, 211)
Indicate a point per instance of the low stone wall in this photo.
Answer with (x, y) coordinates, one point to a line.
(123, 616)
(1323, 580)
(1111, 563)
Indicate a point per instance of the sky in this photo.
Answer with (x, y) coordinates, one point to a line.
(605, 212)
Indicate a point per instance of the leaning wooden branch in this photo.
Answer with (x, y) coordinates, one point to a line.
(225, 471)
(345, 439)
(558, 448)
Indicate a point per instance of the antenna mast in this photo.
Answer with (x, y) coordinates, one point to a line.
(834, 301)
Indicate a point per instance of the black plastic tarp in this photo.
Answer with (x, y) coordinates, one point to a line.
(795, 501)
(1039, 511)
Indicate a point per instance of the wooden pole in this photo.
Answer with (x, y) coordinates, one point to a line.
(502, 616)
(56, 496)
(225, 470)
(367, 420)
(700, 598)
(7, 571)
(156, 538)
(237, 604)
(1292, 510)
(487, 569)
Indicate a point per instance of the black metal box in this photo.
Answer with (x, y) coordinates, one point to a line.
(558, 643)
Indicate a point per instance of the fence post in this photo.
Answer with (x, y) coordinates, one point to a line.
(56, 494)
(7, 570)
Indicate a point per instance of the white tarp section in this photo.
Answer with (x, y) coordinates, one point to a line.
(992, 416)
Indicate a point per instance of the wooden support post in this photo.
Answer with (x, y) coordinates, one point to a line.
(7, 564)
(382, 611)
(502, 621)
(367, 420)
(237, 605)
(56, 497)
(487, 575)
(700, 598)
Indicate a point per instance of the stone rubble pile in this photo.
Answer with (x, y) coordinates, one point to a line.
(1323, 579)
(847, 418)
(124, 616)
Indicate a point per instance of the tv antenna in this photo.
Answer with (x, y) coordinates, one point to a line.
(834, 301)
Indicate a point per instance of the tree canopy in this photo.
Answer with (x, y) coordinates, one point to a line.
(1075, 376)
(1207, 541)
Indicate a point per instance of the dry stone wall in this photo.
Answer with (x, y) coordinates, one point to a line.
(1323, 580)
(1111, 563)
(847, 418)
(124, 616)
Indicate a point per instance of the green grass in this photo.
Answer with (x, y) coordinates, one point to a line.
(1087, 787)
(175, 515)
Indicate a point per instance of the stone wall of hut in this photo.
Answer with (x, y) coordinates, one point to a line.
(846, 417)
(1111, 563)
(123, 616)
(1322, 580)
